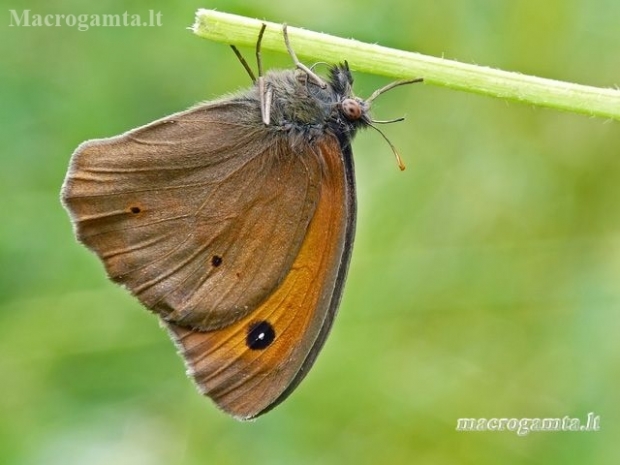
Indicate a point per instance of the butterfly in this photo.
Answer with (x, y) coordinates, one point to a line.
(233, 221)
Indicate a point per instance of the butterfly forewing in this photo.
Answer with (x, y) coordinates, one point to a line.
(179, 211)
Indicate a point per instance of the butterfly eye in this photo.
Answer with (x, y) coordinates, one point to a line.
(351, 108)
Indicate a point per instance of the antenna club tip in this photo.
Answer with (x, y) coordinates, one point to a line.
(399, 160)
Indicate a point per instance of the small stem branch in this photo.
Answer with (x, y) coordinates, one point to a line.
(375, 59)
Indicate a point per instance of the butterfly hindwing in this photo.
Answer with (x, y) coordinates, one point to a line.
(253, 364)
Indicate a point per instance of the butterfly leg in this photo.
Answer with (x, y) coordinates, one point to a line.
(313, 77)
(264, 92)
(265, 101)
(244, 63)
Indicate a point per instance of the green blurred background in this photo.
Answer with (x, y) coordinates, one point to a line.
(484, 280)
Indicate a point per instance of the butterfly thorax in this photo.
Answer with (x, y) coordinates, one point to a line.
(305, 112)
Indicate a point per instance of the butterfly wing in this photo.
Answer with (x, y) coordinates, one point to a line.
(252, 365)
(200, 214)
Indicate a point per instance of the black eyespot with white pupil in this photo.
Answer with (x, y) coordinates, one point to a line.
(351, 108)
(260, 335)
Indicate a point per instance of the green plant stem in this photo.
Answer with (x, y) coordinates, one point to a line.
(375, 59)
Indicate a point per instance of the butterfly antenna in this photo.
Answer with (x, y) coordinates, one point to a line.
(373, 96)
(399, 160)
(391, 85)
(388, 121)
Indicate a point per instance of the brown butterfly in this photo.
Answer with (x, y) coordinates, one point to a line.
(233, 221)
